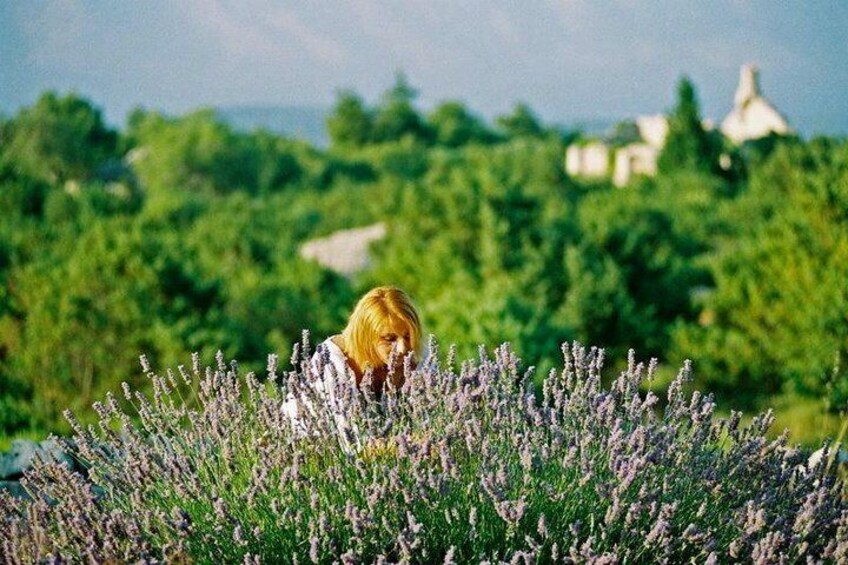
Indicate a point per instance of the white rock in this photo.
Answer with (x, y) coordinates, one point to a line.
(24, 451)
(344, 251)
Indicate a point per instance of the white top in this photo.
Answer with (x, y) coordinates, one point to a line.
(325, 387)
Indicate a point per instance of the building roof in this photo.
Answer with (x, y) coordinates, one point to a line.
(752, 115)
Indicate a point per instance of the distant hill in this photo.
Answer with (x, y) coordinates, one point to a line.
(303, 122)
(308, 122)
(592, 126)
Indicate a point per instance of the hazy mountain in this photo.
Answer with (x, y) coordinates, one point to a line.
(308, 122)
(303, 122)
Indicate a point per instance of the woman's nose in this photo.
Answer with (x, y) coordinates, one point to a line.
(402, 348)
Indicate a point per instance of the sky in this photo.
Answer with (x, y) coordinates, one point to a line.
(570, 60)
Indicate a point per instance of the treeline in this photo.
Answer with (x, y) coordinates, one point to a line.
(180, 234)
(353, 124)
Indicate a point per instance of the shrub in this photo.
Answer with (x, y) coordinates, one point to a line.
(460, 464)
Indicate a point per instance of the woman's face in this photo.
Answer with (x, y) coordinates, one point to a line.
(391, 336)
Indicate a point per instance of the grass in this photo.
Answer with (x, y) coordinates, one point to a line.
(807, 419)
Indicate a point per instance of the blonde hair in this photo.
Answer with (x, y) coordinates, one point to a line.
(380, 307)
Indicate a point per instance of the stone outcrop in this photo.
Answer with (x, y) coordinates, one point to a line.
(21, 457)
(23, 452)
(345, 251)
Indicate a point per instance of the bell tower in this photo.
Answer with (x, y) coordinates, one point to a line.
(749, 85)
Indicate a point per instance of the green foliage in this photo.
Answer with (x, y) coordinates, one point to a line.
(487, 228)
(117, 292)
(21, 195)
(598, 305)
(396, 116)
(350, 124)
(521, 123)
(190, 241)
(195, 153)
(624, 133)
(200, 154)
(58, 139)
(688, 146)
(454, 126)
(276, 163)
(776, 318)
(653, 234)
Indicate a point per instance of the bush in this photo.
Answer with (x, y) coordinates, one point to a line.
(458, 465)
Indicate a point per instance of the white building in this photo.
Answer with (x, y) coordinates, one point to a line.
(641, 158)
(593, 159)
(590, 160)
(634, 159)
(752, 116)
(653, 129)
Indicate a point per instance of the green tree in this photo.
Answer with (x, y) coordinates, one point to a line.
(478, 242)
(598, 307)
(453, 125)
(522, 122)
(84, 315)
(688, 146)
(624, 132)
(350, 124)
(396, 116)
(199, 153)
(276, 162)
(775, 318)
(59, 138)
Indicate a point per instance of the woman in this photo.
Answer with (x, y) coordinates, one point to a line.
(382, 329)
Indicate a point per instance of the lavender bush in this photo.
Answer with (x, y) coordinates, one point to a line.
(460, 464)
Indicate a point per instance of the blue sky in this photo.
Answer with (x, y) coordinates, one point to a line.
(568, 59)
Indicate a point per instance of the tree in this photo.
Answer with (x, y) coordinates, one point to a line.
(196, 153)
(59, 138)
(598, 308)
(624, 132)
(521, 123)
(88, 309)
(277, 164)
(350, 124)
(775, 318)
(688, 146)
(478, 242)
(453, 125)
(396, 116)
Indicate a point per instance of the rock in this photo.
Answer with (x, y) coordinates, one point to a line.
(344, 251)
(20, 458)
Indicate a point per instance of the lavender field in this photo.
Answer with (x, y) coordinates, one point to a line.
(463, 463)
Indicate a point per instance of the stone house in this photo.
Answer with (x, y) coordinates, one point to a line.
(752, 117)
(589, 160)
